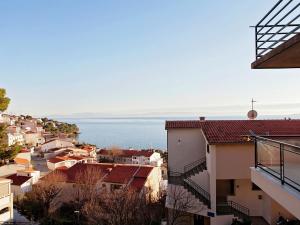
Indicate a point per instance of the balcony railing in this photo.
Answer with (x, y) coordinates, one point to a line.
(280, 24)
(279, 159)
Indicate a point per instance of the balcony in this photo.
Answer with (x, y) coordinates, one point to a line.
(276, 172)
(277, 37)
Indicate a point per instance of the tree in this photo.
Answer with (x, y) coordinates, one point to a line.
(43, 198)
(179, 202)
(4, 101)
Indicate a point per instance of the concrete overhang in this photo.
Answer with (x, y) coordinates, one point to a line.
(286, 55)
(287, 197)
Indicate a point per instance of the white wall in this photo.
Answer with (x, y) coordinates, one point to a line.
(288, 198)
(184, 146)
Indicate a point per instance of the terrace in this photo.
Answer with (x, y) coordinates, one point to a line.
(276, 172)
(277, 37)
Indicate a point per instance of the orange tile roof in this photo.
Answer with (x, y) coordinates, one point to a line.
(21, 161)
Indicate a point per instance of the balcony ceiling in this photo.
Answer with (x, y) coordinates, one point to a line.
(286, 55)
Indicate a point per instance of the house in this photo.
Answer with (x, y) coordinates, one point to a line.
(15, 138)
(6, 200)
(23, 180)
(20, 184)
(141, 178)
(33, 138)
(55, 143)
(130, 156)
(210, 161)
(66, 160)
(85, 150)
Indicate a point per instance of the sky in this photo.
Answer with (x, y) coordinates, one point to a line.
(98, 57)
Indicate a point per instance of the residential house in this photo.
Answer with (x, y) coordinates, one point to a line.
(55, 143)
(23, 180)
(33, 138)
(6, 200)
(20, 184)
(15, 138)
(210, 161)
(130, 156)
(141, 178)
(65, 160)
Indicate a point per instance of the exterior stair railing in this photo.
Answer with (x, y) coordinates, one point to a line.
(194, 167)
(197, 191)
(233, 208)
(184, 180)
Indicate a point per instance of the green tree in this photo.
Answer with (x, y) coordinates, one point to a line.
(4, 101)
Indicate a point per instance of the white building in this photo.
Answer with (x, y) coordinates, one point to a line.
(56, 143)
(15, 138)
(6, 200)
(210, 162)
(128, 156)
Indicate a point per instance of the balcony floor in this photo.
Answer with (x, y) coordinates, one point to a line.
(286, 55)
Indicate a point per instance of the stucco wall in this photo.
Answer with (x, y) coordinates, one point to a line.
(184, 146)
(234, 161)
(247, 197)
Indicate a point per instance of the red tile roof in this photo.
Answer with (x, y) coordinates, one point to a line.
(183, 124)
(111, 173)
(18, 180)
(138, 183)
(55, 160)
(234, 131)
(121, 174)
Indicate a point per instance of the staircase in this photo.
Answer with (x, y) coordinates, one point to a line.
(195, 167)
(233, 208)
(184, 179)
(197, 191)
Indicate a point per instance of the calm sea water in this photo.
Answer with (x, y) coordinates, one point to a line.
(125, 133)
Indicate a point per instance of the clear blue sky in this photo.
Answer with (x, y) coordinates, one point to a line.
(65, 57)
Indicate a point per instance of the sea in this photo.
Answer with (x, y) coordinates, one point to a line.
(132, 132)
(137, 133)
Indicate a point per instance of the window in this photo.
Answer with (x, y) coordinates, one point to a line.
(232, 187)
(255, 187)
(207, 148)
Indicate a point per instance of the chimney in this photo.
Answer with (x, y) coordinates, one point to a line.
(202, 118)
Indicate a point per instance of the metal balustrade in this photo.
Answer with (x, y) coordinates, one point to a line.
(279, 159)
(280, 24)
(233, 208)
(198, 191)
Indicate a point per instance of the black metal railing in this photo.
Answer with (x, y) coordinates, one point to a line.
(233, 208)
(198, 163)
(198, 191)
(175, 178)
(279, 159)
(280, 24)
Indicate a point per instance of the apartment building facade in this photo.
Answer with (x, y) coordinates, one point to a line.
(211, 161)
(6, 201)
(277, 45)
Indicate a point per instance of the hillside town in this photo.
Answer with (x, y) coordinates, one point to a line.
(44, 156)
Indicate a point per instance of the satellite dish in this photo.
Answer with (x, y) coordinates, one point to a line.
(252, 114)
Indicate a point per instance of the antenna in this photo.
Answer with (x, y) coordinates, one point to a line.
(252, 114)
